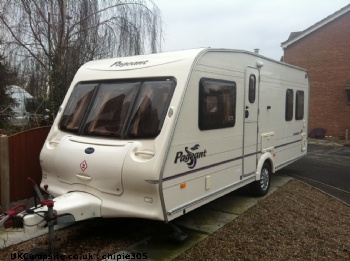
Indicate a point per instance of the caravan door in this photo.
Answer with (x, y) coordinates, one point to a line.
(251, 106)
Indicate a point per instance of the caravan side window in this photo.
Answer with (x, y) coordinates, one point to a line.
(299, 106)
(289, 104)
(217, 104)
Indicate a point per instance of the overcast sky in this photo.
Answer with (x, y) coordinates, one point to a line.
(239, 24)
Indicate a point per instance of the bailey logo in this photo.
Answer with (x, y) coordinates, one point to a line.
(122, 64)
(191, 157)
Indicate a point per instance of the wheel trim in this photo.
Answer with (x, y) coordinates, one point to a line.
(264, 179)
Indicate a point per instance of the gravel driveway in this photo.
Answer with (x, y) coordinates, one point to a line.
(297, 222)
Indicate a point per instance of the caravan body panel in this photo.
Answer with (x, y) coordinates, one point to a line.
(227, 158)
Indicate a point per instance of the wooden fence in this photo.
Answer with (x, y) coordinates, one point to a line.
(19, 159)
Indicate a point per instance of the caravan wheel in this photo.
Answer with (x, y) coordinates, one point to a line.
(261, 187)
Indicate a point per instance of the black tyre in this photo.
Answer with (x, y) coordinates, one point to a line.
(261, 187)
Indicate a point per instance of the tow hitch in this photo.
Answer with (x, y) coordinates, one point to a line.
(65, 209)
(15, 217)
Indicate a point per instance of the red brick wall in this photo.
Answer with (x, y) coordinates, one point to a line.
(325, 53)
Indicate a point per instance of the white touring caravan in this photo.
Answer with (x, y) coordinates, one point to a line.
(155, 136)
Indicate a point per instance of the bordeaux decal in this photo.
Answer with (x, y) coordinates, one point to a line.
(190, 158)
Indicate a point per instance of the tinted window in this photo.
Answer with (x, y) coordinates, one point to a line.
(150, 108)
(76, 107)
(289, 104)
(217, 104)
(299, 107)
(118, 109)
(110, 108)
(252, 88)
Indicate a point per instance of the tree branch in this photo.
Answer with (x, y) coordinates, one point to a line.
(22, 43)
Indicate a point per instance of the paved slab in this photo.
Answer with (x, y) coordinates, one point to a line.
(160, 247)
(205, 220)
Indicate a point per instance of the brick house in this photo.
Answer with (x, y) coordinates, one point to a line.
(324, 50)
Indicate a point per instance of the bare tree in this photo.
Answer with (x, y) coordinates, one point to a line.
(50, 40)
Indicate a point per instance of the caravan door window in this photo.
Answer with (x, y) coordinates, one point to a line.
(252, 88)
(118, 109)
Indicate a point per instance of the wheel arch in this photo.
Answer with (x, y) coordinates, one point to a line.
(268, 158)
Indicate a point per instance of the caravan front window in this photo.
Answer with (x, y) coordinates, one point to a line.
(118, 109)
(76, 107)
(150, 108)
(109, 109)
